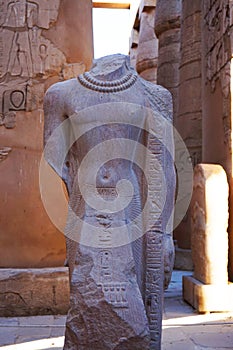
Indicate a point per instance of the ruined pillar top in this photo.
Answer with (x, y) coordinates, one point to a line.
(167, 15)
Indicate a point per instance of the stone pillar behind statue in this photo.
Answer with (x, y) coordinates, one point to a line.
(208, 290)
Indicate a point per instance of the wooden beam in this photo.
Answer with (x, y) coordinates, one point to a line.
(111, 5)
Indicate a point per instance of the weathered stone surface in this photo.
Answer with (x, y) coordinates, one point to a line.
(133, 47)
(117, 258)
(183, 259)
(146, 4)
(37, 48)
(26, 292)
(147, 51)
(209, 224)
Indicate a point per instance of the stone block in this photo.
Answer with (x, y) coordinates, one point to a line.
(27, 292)
(207, 297)
(209, 221)
(187, 288)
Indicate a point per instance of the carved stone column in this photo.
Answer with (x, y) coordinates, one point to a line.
(189, 121)
(41, 42)
(147, 51)
(189, 118)
(167, 30)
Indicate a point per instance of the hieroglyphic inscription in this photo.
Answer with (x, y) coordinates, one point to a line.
(114, 291)
(217, 43)
(154, 240)
(105, 263)
(105, 220)
(154, 285)
(4, 151)
(12, 101)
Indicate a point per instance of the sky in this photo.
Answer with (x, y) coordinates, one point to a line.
(112, 30)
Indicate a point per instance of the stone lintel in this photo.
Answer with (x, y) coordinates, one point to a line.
(111, 5)
(29, 292)
(207, 297)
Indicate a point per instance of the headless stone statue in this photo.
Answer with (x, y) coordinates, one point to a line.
(113, 149)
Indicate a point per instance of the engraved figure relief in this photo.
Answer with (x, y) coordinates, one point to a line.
(26, 52)
(25, 55)
(21, 17)
(43, 57)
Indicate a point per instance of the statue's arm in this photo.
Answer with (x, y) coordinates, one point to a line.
(169, 251)
(54, 113)
(55, 128)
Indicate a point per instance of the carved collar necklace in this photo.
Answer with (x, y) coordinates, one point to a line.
(90, 82)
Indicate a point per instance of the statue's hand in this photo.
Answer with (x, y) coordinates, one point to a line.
(169, 257)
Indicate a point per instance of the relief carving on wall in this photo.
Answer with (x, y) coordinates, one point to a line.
(217, 39)
(217, 43)
(27, 58)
